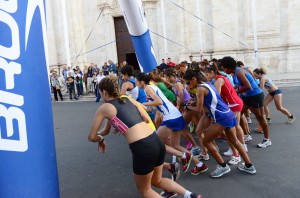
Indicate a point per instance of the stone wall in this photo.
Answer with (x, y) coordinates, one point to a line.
(277, 27)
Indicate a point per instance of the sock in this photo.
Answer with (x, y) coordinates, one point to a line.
(187, 194)
(183, 156)
(222, 164)
(199, 164)
(174, 159)
(248, 165)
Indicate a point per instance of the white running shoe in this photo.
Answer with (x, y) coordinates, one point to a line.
(248, 138)
(220, 171)
(249, 120)
(234, 160)
(265, 143)
(228, 153)
(250, 170)
(203, 157)
(290, 120)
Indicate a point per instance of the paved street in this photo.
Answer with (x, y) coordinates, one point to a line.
(85, 173)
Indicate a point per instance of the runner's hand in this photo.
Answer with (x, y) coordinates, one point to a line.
(101, 147)
(116, 131)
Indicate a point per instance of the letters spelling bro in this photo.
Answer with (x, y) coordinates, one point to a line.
(11, 103)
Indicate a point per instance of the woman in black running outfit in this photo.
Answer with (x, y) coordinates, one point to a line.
(148, 151)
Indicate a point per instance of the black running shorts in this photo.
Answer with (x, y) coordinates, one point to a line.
(256, 101)
(147, 153)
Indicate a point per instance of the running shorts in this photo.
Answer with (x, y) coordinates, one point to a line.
(276, 92)
(228, 123)
(256, 101)
(177, 124)
(147, 153)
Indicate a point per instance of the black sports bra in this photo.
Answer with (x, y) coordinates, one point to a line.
(127, 115)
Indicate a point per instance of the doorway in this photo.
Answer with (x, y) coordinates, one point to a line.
(132, 60)
(125, 49)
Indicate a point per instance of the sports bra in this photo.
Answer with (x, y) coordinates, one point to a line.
(186, 95)
(269, 83)
(127, 115)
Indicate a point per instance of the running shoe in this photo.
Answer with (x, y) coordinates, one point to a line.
(220, 171)
(203, 157)
(167, 194)
(234, 160)
(250, 170)
(249, 120)
(194, 195)
(265, 143)
(175, 170)
(196, 151)
(269, 121)
(290, 120)
(197, 170)
(186, 162)
(247, 138)
(228, 153)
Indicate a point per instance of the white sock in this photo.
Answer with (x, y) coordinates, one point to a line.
(199, 164)
(183, 156)
(174, 159)
(245, 147)
(187, 194)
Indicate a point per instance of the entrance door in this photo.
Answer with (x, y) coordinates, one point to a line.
(125, 50)
(132, 60)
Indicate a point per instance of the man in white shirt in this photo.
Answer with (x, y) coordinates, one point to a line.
(100, 76)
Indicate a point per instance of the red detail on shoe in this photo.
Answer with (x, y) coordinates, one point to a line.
(186, 162)
(198, 170)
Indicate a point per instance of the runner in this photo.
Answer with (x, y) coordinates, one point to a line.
(211, 103)
(252, 95)
(131, 121)
(234, 102)
(274, 94)
(173, 123)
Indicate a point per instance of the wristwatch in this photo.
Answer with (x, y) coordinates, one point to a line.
(101, 138)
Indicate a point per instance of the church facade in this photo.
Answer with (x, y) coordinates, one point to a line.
(92, 31)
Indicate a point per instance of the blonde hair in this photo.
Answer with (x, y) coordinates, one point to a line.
(110, 84)
(261, 71)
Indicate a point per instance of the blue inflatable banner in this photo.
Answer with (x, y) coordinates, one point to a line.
(27, 151)
(138, 29)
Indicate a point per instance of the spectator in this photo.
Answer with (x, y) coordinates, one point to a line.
(85, 71)
(100, 76)
(170, 63)
(94, 80)
(125, 63)
(90, 86)
(163, 65)
(112, 68)
(71, 87)
(78, 82)
(105, 69)
(55, 86)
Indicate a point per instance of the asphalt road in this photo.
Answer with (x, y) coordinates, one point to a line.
(85, 173)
